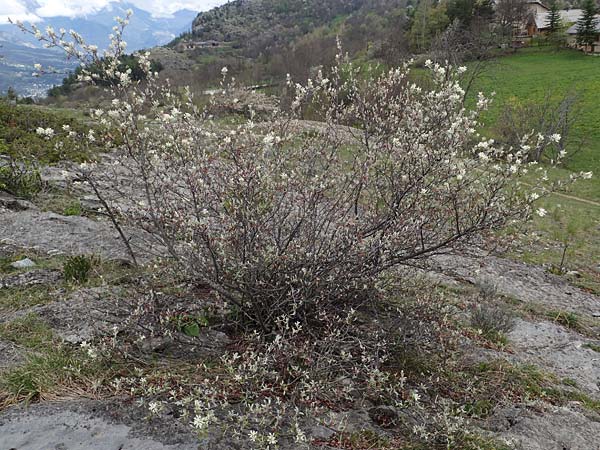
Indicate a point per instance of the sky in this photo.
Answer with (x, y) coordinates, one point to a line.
(35, 10)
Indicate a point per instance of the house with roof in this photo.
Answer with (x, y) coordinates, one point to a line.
(572, 39)
(538, 20)
(538, 23)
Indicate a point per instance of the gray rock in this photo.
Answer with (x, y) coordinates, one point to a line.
(23, 264)
(10, 355)
(83, 427)
(90, 202)
(521, 281)
(353, 421)
(207, 343)
(11, 203)
(52, 233)
(557, 350)
(321, 433)
(58, 177)
(554, 428)
(31, 278)
(80, 316)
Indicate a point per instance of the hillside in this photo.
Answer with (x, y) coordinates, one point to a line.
(259, 25)
(262, 40)
(16, 68)
(367, 260)
(528, 78)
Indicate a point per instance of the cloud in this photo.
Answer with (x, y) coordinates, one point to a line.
(166, 7)
(16, 10)
(69, 8)
(33, 10)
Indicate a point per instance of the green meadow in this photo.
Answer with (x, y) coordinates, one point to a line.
(573, 222)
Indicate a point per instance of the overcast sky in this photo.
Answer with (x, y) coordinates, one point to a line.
(33, 10)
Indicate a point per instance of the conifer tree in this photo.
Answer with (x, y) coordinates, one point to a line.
(556, 33)
(554, 20)
(587, 25)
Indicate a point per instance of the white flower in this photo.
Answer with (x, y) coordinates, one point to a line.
(541, 212)
(37, 67)
(587, 175)
(155, 407)
(483, 156)
(253, 436)
(91, 351)
(269, 139)
(46, 132)
(224, 70)
(416, 396)
(555, 138)
(271, 439)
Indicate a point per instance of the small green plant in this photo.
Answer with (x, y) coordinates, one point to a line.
(480, 408)
(565, 318)
(73, 209)
(20, 178)
(191, 325)
(492, 322)
(77, 269)
(594, 347)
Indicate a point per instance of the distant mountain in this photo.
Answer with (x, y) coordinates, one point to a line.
(20, 51)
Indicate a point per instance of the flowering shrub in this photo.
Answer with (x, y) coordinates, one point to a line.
(280, 224)
(296, 229)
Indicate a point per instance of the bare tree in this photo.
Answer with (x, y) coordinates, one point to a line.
(511, 16)
(458, 46)
(554, 118)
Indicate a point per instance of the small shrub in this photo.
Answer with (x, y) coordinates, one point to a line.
(73, 209)
(20, 178)
(493, 322)
(553, 118)
(594, 347)
(77, 269)
(191, 325)
(275, 223)
(488, 290)
(565, 318)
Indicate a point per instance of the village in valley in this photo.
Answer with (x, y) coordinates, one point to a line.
(542, 19)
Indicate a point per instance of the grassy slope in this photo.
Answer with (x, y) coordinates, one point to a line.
(529, 75)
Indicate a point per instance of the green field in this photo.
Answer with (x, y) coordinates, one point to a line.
(528, 76)
(532, 73)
